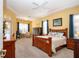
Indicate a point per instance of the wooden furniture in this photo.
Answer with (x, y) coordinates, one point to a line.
(76, 48)
(45, 44)
(37, 31)
(18, 35)
(70, 43)
(27, 35)
(9, 46)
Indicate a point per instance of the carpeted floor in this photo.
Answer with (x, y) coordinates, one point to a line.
(24, 49)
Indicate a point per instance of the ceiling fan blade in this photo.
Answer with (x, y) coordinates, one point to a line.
(39, 5)
(35, 4)
(44, 3)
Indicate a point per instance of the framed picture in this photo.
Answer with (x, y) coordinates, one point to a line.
(57, 22)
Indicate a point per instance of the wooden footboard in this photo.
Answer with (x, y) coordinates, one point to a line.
(43, 44)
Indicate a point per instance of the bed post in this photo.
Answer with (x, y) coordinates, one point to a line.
(33, 40)
(50, 47)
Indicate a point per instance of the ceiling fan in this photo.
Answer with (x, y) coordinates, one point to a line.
(38, 5)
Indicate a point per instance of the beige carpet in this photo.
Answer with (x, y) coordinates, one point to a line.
(24, 49)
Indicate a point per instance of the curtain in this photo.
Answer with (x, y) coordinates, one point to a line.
(47, 27)
(23, 28)
(28, 27)
(18, 27)
(71, 30)
(17, 32)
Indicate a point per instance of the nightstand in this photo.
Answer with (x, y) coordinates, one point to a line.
(76, 48)
(70, 43)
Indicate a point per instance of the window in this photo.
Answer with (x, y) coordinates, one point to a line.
(76, 26)
(23, 28)
(45, 27)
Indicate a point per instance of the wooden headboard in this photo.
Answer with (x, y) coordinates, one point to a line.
(65, 31)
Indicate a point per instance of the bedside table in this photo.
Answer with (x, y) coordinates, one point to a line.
(70, 43)
(76, 48)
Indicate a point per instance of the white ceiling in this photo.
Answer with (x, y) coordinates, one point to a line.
(38, 8)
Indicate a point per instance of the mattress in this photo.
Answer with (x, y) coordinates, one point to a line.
(57, 41)
(43, 36)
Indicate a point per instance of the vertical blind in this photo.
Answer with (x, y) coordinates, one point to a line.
(23, 28)
(76, 26)
(45, 27)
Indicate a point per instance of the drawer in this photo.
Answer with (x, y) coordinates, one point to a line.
(6, 44)
(76, 50)
(70, 46)
(70, 41)
(10, 47)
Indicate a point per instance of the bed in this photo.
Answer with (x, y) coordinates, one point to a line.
(50, 43)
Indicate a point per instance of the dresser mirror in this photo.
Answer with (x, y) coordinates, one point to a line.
(7, 27)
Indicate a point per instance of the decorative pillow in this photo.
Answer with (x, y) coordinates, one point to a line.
(54, 34)
(57, 34)
(50, 34)
(60, 33)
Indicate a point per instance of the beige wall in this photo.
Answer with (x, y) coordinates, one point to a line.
(8, 13)
(64, 14)
(36, 23)
(10, 16)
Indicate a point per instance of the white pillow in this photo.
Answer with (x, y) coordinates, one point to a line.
(61, 33)
(50, 34)
(54, 33)
(57, 34)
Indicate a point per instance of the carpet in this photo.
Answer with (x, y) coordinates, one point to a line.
(24, 49)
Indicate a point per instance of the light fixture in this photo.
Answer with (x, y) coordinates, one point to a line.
(39, 3)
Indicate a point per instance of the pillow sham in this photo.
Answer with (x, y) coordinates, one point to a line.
(60, 33)
(56, 34)
(50, 34)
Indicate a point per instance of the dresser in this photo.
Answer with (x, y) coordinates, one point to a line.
(70, 43)
(9, 46)
(37, 31)
(76, 48)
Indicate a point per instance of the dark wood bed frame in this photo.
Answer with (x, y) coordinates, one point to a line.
(45, 44)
